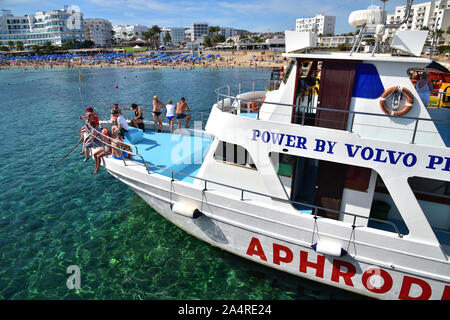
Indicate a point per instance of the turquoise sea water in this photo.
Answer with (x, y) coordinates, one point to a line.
(51, 218)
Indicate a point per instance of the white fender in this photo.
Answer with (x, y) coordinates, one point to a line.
(185, 210)
(329, 247)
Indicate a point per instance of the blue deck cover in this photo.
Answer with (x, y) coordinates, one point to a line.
(183, 154)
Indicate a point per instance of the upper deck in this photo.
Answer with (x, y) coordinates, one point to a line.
(342, 92)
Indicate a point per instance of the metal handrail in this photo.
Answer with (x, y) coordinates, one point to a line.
(242, 190)
(353, 113)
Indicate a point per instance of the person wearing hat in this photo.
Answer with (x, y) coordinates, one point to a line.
(122, 124)
(157, 105)
(137, 122)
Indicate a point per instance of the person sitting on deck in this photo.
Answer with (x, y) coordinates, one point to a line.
(102, 152)
(170, 115)
(122, 124)
(93, 140)
(137, 122)
(182, 107)
(116, 107)
(119, 148)
(157, 105)
(89, 115)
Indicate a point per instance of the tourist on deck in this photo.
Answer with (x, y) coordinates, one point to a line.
(170, 115)
(93, 140)
(182, 107)
(116, 107)
(120, 148)
(137, 122)
(157, 105)
(89, 115)
(424, 87)
(102, 152)
(122, 124)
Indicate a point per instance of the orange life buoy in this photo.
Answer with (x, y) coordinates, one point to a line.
(401, 111)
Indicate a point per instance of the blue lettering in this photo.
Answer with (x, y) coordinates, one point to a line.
(331, 145)
(412, 162)
(350, 151)
(256, 133)
(290, 140)
(391, 154)
(447, 164)
(434, 160)
(277, 138)
(378, 156)
(267, 135)
(301, 142)
(364, 154)
(320, 145)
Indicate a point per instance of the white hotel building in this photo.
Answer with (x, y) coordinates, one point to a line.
(56, 27)
(128, 32)
(99, 31)
(426, 14)
(319, 24)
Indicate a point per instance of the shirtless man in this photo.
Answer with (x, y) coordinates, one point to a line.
(182, 107)
(157, 105)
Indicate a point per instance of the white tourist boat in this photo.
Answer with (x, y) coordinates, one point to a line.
(321, 177)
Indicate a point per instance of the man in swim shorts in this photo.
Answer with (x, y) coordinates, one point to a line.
(182, 107)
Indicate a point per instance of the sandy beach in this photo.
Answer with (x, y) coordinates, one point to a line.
(226, 59)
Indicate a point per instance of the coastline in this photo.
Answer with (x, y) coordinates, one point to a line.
(227, 59)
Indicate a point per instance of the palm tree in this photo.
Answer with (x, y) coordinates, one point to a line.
(156, 31)
(19, 45)
(148, 35)
(10, 45)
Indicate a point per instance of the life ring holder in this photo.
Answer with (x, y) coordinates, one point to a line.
(403, 110)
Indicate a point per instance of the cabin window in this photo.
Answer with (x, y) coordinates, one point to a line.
(434, 199)
(234, 154)
(288, 71)
(335, 187)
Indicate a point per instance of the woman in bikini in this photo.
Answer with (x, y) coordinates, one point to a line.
(157, 105)
(170, 114)
(137, 122)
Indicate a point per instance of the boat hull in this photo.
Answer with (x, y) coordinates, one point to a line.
(344, 272)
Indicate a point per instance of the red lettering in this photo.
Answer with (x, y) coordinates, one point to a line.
(406, 289)
(288, 257)
(319, 266)
(387, 284)
(446, 294)
(255, 248)
(351, 271)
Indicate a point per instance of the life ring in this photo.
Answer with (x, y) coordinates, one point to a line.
(401, 111)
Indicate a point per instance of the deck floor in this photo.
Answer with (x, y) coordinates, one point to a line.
(184, 154)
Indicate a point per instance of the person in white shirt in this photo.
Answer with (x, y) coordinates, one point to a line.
(122, 125)
(170, 115)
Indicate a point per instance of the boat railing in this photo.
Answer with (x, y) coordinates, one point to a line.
(225, 93)
(104, 112)
(148, 166)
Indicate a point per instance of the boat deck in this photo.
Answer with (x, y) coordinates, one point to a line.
(184, 154)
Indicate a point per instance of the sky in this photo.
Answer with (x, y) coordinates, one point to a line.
(251, 15)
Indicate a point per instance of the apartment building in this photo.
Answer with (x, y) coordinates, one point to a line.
(99, 31)
(319, 24)
(198, 29)
(426, 15)
(128, 32)
(56, 27)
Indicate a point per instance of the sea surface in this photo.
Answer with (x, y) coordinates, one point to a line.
(55, 217)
